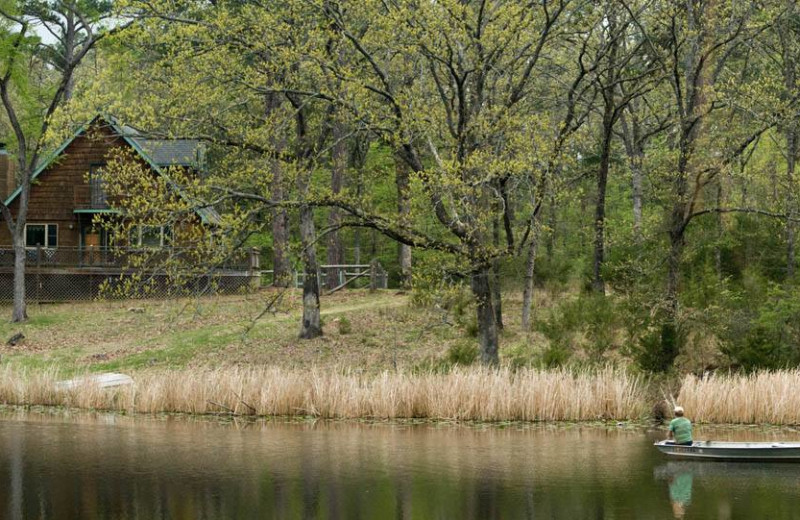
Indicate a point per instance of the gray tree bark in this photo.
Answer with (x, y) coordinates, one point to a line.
(282, 270)
(481, 290)
(720, 231)
(791, 161)
(311, 325)
(788, 51)
(610, 111)
(335, 250)
(530, 264)
(631, 134)
(20, 311)
(402, 181)
(497, 293)
(279, 218)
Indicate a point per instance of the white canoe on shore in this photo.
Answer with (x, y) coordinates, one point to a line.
(107, 380)
(742, 451)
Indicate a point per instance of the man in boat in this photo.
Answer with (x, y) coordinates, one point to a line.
(680, 429)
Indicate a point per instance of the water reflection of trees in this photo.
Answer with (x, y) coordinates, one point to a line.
(185, 470)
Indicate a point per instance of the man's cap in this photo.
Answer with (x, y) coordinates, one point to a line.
(679, 409)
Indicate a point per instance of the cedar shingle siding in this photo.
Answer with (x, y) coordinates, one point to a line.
(53, 194)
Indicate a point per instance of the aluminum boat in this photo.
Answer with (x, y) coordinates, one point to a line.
(723, 450)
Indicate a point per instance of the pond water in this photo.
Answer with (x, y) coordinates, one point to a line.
(116, 467)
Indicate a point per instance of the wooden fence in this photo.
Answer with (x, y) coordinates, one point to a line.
(332, 278)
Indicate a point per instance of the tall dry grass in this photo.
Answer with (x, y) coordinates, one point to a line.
(464, 394)
(763, 397)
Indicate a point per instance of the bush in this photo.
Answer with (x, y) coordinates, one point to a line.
(553, 356)
(656, 350)
(760, 347)
(463, 352)
(344, 325)
(766, 336)
(556, 271)
(589, 321)
(519, 355)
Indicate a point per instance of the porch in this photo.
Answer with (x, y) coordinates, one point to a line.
(117, 259)
(90, 273)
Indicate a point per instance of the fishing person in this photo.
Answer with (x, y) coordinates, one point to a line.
(680, 429)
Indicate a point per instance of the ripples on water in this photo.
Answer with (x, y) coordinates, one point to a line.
(113, 467)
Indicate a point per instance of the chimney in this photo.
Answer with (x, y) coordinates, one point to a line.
(7, 178)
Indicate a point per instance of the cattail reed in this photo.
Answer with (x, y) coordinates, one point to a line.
(762, 397)
(478, 394)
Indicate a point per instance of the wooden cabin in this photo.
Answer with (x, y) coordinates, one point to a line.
(65, 247)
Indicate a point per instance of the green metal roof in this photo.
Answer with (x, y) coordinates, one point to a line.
(104, 210)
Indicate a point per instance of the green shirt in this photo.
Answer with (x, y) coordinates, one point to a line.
(681, 429)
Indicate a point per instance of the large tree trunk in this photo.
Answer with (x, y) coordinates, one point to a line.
(552, 223)
(481, 289)
(609, 117)
(791, 210)
(789, 55)
(636, 186)
(693, 89)
(282, 271)
(20, 312)
(598, 284)
(527, 293)
(311, 326)
(281, 268)
(402, 180)
(631, 134)
(720, 231)
(497, 293)
(335, 252)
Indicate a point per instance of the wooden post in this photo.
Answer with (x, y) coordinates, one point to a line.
(38, 273)
(255, 268)
(255, 259)
(373, 275)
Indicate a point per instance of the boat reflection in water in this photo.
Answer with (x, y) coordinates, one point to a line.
(681, 475)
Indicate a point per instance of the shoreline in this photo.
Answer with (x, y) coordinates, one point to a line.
(465, 395)
(25, 412)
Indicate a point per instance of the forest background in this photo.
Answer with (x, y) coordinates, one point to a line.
(636, 156)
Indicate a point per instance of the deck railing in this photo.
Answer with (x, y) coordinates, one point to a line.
(120, 257)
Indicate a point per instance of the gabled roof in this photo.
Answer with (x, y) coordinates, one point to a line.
(156, 153)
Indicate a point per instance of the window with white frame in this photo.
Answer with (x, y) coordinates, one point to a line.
(151, 236)
(41, 235)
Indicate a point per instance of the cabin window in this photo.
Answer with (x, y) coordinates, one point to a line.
(41, 235)
(151, 236)
(97, 189)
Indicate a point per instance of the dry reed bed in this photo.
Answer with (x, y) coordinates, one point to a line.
(763, 397)
(465, 394)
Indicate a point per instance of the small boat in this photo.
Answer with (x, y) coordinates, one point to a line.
(107, 380)
(742, 451)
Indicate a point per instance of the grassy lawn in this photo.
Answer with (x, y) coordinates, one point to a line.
(385, 330)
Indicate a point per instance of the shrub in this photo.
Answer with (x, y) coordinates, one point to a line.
(344, 325)
(553, 356)
(519, 355)
(463, 352)
(590, 320)
(656, 350)
(766, 336)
